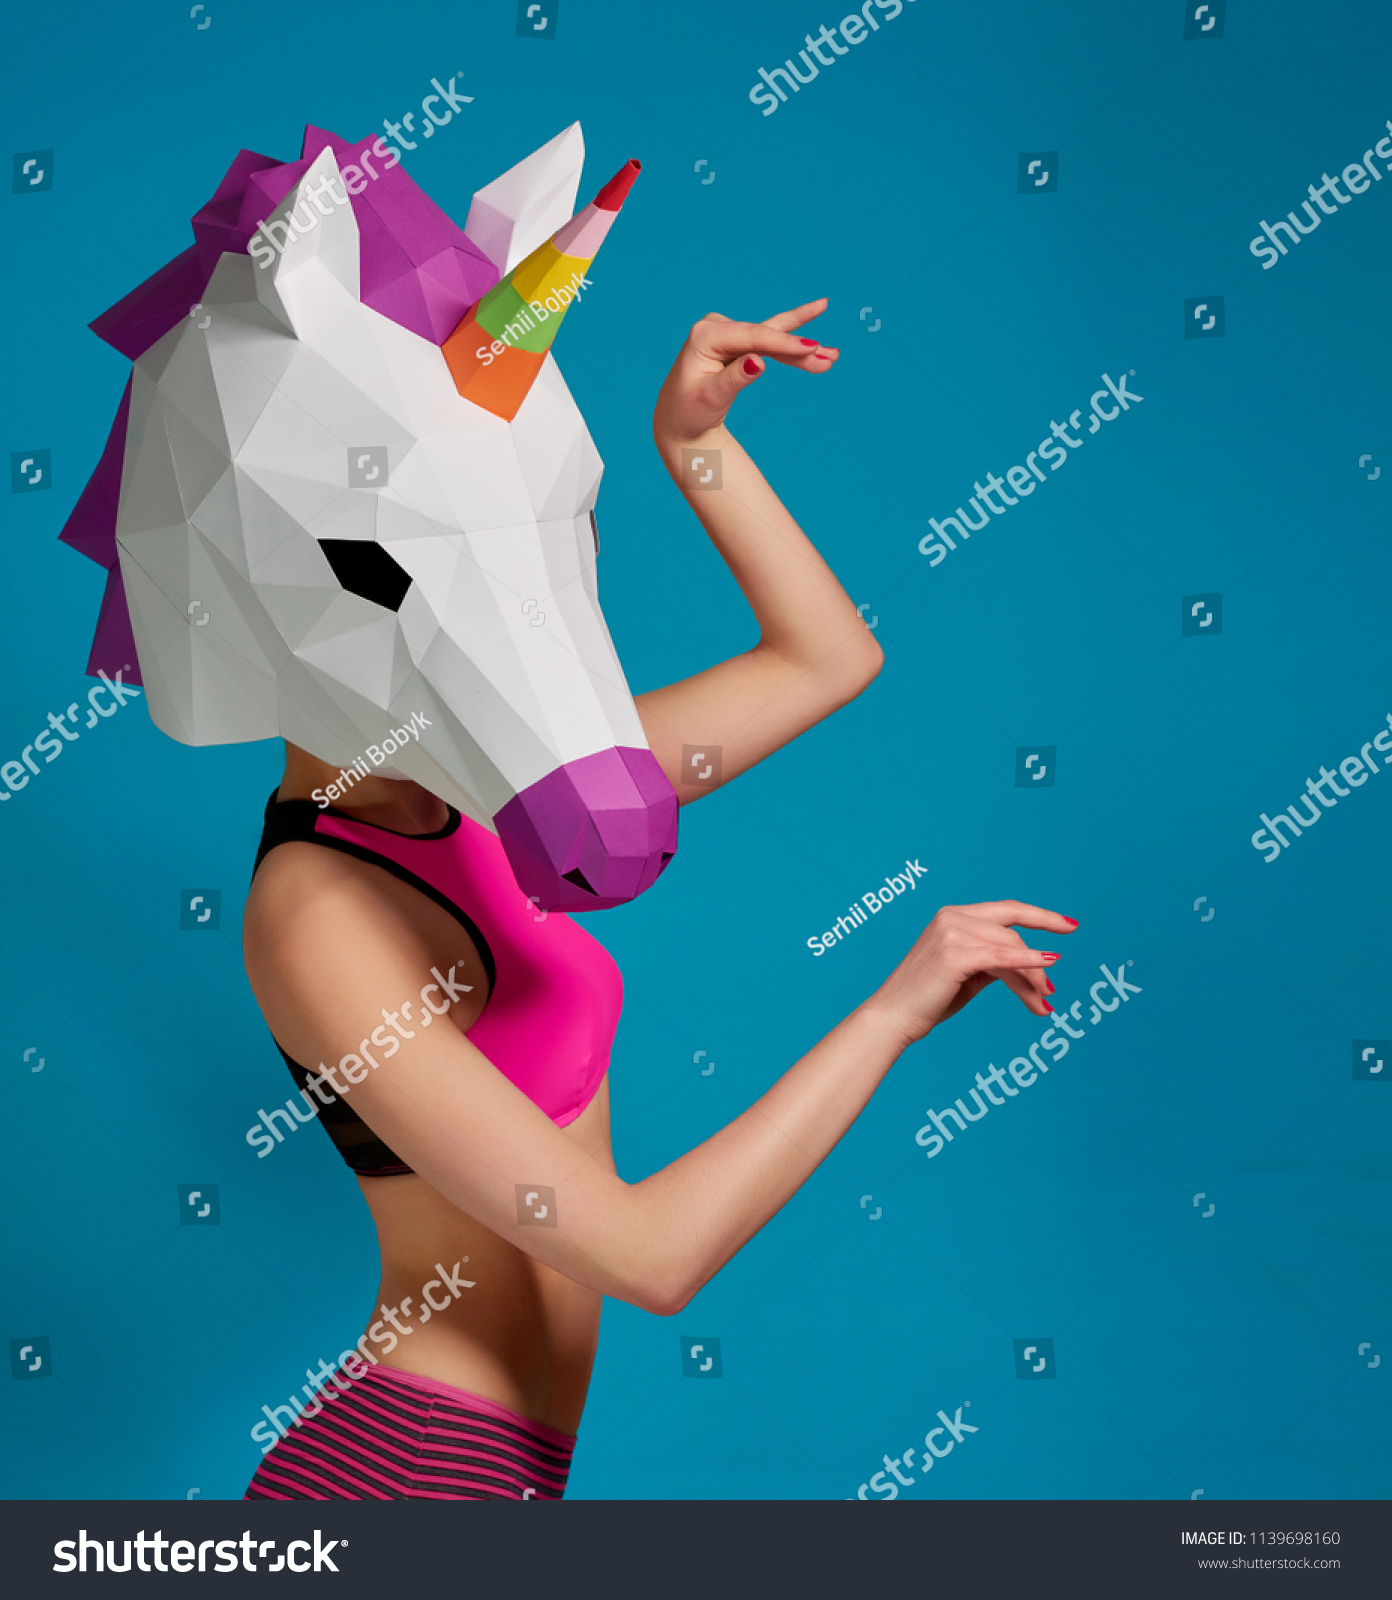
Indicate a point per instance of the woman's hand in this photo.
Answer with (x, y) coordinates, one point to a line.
(720, 358)
(962, 950)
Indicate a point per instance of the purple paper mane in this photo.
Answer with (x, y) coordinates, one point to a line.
(417, 267)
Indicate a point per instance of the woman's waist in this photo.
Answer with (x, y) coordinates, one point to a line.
(459, 1304)
(534, 1356)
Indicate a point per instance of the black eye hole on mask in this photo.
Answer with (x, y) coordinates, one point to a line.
(594, 529)
(364, 568)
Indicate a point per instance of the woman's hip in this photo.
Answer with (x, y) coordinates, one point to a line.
(395, 1435)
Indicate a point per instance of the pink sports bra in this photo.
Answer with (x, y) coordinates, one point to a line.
(554, 993)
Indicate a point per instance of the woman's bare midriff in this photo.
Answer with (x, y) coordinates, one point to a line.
(523, 1335)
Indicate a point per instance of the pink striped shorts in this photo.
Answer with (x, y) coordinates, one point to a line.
(393, 1435)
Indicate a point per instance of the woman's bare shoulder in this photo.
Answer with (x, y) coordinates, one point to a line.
(305, 898)
(301, 881)
(323, 929)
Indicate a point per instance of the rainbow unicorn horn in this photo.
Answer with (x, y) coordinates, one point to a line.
(496, 352)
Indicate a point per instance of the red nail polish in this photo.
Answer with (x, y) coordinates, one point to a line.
(812, 342)
(822, 355)
(1073, 920)
(1050, 955)
(751, 366)
(1050, 989)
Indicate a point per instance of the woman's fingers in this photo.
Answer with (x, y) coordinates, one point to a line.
(1023, 971)
(738, 375)
(743, 370)
(1006, 956)
(783, 321)
(1016, 958)
(725, 342)
(1027, 989)
(1018, 914)
(786, 321)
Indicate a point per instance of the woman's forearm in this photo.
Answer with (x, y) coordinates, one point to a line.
(804, 614)
(474, 1136)
(693, 1215)
(814, 653)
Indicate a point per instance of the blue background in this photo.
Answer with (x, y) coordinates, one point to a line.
(1218, 1353)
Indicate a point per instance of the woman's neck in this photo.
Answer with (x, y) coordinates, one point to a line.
(394, 803)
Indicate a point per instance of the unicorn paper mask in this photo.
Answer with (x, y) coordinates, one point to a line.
(350, 487)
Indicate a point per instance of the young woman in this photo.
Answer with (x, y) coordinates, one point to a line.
(482, 1144)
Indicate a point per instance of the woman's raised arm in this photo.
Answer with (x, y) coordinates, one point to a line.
(814, 651)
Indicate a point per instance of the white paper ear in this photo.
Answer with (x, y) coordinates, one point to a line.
(517, 212)
(311, 236)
